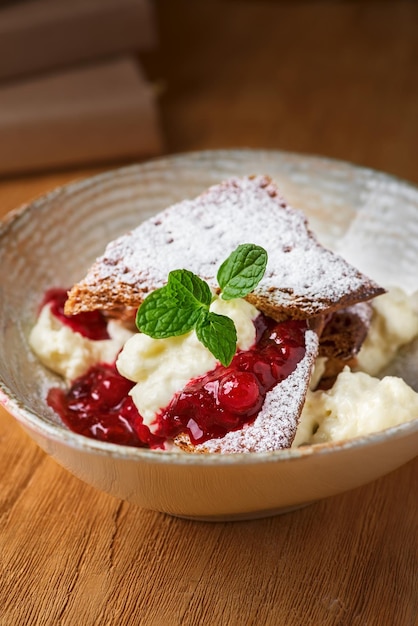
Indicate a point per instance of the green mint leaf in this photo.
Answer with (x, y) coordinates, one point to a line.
(160, 316)
(242, 271)
(183, 304)
(188, 289)
(218, 334)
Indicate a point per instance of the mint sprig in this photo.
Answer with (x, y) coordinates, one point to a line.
(183, 304)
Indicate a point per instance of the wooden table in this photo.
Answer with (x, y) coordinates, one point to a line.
(332, 78)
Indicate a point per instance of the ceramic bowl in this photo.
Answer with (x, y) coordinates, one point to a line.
(369, 216)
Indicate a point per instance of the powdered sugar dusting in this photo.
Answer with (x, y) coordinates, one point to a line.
(199, 234)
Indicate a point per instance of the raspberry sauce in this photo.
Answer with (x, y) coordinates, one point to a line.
(227, 398)
(98, 405)
(91, 324)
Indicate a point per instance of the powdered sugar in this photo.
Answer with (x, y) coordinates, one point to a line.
(302, 277)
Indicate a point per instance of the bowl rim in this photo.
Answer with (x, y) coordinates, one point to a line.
(60, 434)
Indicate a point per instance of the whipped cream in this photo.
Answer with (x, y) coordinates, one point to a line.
(162, 367)
(69, 353)
(357, 404)
(394, 324)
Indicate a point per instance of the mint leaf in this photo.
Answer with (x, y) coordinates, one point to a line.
(189, 289)
(183, 304)
(242, 271)
(160, 316)
(218, 334)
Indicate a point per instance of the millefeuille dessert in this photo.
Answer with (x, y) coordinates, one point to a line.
(235, 301)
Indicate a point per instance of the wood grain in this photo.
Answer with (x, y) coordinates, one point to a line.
(337, 78)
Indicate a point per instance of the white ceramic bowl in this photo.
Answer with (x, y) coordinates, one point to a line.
(369, 216)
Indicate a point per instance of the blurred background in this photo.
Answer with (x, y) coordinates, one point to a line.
(103, 82)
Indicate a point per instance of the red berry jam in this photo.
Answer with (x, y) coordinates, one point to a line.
(97, 405)
(91, 324)
(227, 398)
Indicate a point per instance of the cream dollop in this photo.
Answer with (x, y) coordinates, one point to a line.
(68, 353)
(394, 324)
(162, 367)
(357, 404)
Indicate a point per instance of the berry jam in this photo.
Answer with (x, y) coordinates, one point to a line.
(98, 405)
(91, 324)
(227, 398)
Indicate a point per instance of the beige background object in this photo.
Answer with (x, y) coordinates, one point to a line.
(90, 114)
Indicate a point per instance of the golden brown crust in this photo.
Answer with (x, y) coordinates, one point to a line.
(117, 299)
(302, 280)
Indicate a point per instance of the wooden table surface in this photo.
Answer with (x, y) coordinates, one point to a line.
(332, 78)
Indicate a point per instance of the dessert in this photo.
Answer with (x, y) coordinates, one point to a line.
(231, 360)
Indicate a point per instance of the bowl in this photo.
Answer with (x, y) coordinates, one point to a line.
(369, 216)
